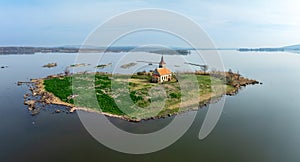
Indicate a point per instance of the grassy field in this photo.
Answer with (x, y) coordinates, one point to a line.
(135, 96)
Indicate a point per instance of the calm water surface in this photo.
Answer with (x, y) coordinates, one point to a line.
(261, 123)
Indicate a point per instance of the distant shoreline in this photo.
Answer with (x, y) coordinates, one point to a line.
(23, 50)
(34, 50)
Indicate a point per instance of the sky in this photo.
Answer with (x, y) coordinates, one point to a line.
(229, 23)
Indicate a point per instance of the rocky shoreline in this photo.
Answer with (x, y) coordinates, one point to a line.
(238, 82)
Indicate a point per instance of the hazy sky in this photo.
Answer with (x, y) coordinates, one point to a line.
(230, 23)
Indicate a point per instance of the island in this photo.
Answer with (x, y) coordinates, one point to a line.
(101, 66)
(135, 97)
(50, 65)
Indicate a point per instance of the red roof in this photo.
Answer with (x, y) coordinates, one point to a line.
(163, 71)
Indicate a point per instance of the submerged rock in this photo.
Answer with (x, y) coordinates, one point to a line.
(26, 95)
(35, 112)
(57, 111)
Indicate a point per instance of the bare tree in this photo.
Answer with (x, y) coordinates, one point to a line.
(67, 71)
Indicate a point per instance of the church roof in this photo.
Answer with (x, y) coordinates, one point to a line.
(163, 71)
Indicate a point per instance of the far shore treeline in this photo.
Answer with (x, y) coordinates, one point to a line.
(33, 50)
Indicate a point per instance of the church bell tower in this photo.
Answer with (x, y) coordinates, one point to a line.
(162, 63)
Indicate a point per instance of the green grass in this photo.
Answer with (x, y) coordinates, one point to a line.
(132, 96)
(60, 87)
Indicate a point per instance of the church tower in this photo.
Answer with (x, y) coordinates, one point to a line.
(162, 63)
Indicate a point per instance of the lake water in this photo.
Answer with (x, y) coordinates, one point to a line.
(260, 123)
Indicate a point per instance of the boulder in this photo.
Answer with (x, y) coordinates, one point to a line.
(30, 103)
